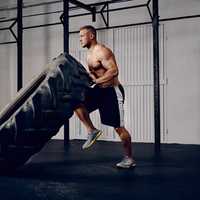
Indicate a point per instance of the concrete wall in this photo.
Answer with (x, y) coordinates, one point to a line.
(183, 91)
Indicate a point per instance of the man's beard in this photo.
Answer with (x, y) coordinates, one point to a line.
(86, 46)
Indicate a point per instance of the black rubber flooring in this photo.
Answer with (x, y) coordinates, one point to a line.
(73, 174)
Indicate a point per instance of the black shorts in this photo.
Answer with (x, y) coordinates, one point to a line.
(110, 102)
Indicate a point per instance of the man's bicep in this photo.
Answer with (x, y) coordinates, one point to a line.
(109, 63)
(111, 66)
(108, 60)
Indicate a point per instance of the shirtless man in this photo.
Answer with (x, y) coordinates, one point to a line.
(107, 95)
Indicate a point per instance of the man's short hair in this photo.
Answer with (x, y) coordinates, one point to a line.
(90, 28)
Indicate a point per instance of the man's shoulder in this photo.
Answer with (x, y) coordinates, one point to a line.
(101, 48)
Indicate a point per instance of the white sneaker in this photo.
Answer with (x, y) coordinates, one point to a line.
(126, 163)
(91, 138)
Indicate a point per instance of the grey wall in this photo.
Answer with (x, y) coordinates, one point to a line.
(183, 91)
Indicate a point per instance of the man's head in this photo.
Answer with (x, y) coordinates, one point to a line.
(87, 36)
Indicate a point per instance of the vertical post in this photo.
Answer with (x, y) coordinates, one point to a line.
(66, 25)
(66, 49)
(19, 45)
(156, 75)
(108, 18)
(93, 14)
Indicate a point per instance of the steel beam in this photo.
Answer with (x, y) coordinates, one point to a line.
(106, 20)
(65, 21)
(8, 20)
(19, 45)
(86, 7)
(84, 14)
(180, 18)
(11, 42)
(11, 30)
(81, 5)
(156, 69)
(149, 10)
(58, 1)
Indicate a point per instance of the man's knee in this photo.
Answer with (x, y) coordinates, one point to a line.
(123, 133)
(119, 129)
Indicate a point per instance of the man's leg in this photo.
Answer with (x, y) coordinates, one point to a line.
(126, 140)
(83, 115)
(125, 137)
(93, 133)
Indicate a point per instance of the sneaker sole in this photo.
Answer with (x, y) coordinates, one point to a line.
(94, 140)
(127, 166)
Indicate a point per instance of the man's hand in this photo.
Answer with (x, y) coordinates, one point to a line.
(92, 76)
(93, 80)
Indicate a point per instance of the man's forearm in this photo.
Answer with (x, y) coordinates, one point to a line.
(107, 76)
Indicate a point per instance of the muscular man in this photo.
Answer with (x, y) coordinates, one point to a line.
(107, 95)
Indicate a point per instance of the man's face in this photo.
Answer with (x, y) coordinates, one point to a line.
(85, 38)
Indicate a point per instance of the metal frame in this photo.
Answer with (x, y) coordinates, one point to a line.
(106, 20)
(92, 10)
(65, 20)
(19, 44)
(10, 29)
(156, 72)
(18, 40)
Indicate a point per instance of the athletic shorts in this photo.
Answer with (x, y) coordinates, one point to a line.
(110, 103)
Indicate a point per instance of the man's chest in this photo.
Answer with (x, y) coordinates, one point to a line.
(93, 62)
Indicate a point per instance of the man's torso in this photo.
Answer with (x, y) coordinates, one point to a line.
(97, 69)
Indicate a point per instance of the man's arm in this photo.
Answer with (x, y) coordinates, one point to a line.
(92, 76)
(107, 59)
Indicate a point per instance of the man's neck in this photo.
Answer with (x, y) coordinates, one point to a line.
(92, 46)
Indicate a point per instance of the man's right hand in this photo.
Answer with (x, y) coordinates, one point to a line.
(92, 76)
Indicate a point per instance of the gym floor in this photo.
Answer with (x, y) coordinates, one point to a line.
(73, 174)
